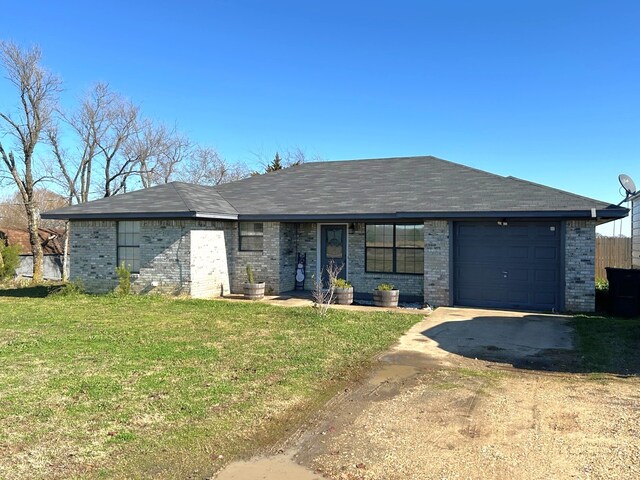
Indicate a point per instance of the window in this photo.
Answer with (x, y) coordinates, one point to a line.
(129, 245)
(251, 237)
(394, 249)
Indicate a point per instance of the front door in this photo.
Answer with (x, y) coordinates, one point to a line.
(333, 247)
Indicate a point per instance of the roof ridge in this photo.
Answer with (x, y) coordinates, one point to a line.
(186, 202)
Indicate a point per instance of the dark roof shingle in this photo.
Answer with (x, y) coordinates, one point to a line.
(400, 187)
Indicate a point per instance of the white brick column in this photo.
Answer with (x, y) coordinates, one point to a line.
(436, 262)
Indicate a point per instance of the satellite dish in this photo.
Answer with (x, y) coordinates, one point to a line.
(627, 184)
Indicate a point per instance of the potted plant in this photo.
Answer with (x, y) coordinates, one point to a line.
(253, 290)
(343, 291)
(386, 296)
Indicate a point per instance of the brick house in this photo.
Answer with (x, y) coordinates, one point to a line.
(439, 231)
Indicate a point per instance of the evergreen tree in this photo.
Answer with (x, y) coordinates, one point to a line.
(275, 165)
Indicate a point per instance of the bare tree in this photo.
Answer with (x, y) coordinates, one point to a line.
(14, 215)
(323, 294)
(37, 90)
(206, 167)
(158, 152)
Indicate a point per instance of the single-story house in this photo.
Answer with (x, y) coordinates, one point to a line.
(443, 232)
(52, 249)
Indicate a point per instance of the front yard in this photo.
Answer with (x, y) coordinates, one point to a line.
(142, 387)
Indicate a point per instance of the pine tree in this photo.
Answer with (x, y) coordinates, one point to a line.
(275, 165)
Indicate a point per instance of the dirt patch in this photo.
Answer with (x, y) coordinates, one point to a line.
(430, 413)
(280, 466)
(492, 424)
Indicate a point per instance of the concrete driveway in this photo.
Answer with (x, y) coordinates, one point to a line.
(447, 403)
(523, 340)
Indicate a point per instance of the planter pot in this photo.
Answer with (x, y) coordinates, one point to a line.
(386, 298)
(254, 291)
(344, 296)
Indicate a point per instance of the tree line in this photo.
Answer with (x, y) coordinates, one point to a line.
(103, 147)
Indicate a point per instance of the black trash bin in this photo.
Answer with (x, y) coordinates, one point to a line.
(624, 291)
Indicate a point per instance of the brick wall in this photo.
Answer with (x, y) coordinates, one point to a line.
(307, 243)
(288, 256)
(165, 256)
(209, 268)
(265, 264)
(580, 250)
(93, 255)
(436, 262)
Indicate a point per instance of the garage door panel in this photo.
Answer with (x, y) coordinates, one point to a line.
(546, 253)
(513, 266)
(549, 277)
(518, 275)
(518, 253)
(545, 298)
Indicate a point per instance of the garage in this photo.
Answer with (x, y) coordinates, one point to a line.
(507, 264)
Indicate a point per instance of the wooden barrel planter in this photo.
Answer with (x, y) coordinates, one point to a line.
(386, 298)
(254, 291)
(344, 296)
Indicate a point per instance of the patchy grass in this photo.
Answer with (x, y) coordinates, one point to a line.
(608, 344)
(141, 387)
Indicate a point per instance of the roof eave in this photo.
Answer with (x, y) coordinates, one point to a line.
(557, 214)
(137, 215)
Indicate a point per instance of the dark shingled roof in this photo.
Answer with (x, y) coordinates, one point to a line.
(171, 200)
(402, 188)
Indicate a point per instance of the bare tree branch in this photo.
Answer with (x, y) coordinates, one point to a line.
(207, 167)
(37, 90)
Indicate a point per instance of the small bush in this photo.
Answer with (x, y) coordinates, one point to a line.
(10, 261)
(124, 276)
(602, 295)
(341, 283)
(70, 289)
(385, 286)
(602, 285)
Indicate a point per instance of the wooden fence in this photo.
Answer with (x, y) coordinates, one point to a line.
(612, 252)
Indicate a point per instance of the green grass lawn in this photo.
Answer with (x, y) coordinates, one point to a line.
(140, 387)
(609, 344)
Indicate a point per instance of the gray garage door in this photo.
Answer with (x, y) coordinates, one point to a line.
(516, 265)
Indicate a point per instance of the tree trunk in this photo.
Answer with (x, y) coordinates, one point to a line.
(1, 257)
(34, 240)
(65, 254)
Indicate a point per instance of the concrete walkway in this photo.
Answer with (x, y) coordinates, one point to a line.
(306, 301)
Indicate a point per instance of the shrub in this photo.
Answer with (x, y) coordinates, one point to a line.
(341, 283)
(124, 276)
(385, 286)
(250, 277)
(602, 295)
(70, 289)
(10, 261)
(602, 285)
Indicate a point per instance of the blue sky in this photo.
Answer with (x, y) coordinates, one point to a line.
(548, 91)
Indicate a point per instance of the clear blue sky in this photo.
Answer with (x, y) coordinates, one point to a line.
(544, 90)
